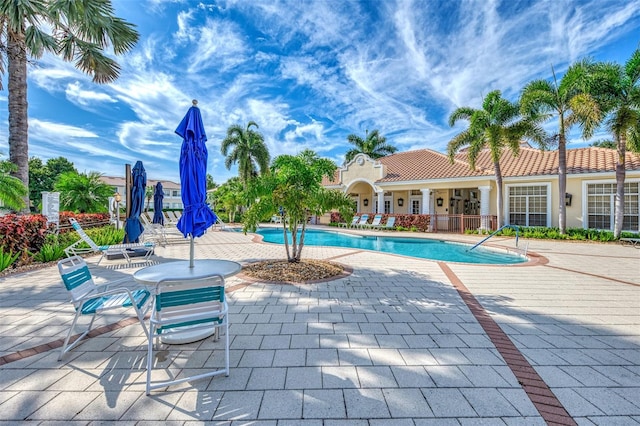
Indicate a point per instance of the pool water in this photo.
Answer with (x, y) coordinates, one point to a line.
(414, 247)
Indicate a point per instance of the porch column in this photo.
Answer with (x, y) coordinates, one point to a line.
(426, 198)
(380, 201)
(485, 206)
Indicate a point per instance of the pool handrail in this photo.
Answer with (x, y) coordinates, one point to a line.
(516, 227)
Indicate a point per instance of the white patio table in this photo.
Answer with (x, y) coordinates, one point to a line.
(180, 271)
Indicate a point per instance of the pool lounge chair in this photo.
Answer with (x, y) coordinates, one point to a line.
(391, 222)
(124, 250)
(353, 223)
(362, 222)
(375, 223)
(634, 242)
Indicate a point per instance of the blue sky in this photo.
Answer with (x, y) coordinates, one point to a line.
(309, 73)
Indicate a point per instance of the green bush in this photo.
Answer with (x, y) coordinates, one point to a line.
(7, 259)
(49, 253)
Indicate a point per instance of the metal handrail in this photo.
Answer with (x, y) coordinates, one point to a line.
(516, 227)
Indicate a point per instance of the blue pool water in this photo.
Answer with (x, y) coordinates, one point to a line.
(415, 247)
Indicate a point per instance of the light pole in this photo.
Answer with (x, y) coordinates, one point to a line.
(118, 198)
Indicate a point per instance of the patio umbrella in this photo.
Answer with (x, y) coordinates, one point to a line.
(132, 227)
(158, 195)
(196, 216)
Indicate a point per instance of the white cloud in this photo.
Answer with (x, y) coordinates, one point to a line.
(86, 98)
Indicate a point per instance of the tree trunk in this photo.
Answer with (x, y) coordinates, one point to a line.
(496, 166)
(620, 176)
(18, 117)
(562, 179)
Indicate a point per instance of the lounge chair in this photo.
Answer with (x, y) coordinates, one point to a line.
(276, 218)
(375, 223)
(391, 222)
(362, 222)
(124, 250)
(634, 242)
(90, 299)
(353, 223)
(180, 306)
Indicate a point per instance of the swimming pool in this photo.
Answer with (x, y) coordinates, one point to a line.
(414, 247)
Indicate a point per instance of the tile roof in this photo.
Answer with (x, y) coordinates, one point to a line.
(426, 164)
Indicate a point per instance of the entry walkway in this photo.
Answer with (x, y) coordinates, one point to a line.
(400, 341)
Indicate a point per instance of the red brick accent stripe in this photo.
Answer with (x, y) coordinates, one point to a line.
(547, 404)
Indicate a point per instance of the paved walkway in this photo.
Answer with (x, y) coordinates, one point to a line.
(400, 341)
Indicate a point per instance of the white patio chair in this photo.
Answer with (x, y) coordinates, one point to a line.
(353, 223)
(375, 223)
(125, 250)
(391, 222)
(90, 299)
(181, 307)
(362, 222)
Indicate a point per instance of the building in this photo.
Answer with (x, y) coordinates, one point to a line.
(458, 198)
(172, 197)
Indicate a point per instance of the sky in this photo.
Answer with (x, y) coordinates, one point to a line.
(309, 73)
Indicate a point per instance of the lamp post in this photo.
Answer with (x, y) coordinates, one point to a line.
(118, 198)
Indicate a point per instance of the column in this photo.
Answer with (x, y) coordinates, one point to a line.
(485, 206)
(427, 208)
(380, 200)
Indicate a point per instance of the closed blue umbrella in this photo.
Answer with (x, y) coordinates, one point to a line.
(196, 217)
(158, 195)
(132, 227)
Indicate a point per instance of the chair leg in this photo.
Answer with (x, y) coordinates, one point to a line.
(66, 347)
(150, 360)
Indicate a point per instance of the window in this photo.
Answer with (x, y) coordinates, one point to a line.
(387, 206)
(528, 205)
(601, 199)
(175, 193)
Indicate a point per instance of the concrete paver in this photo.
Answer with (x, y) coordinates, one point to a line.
(394, 343)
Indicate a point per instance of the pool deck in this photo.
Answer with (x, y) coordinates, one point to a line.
(400, 341)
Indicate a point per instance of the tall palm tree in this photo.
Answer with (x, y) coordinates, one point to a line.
(77, 30)
(83, 192)
(497, 127)
(617, 89)
(374, 145)
(12, 190)
(568, 101)
(245, 147)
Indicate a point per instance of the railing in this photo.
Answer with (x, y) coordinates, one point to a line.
(462, 222)
(516, 227)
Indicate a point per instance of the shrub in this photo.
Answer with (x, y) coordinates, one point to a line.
(49, 253)
(23, 234)
(7, 259)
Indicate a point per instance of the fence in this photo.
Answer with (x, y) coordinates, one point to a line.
(462, 222)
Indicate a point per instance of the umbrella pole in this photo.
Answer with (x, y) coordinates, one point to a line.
(191, 253)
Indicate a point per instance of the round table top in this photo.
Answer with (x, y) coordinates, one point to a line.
(180, 271)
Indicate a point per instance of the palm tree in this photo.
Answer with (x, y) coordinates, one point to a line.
(248, 150)
(374, 145)
(617, 89)
(495, 126)
(12, 190)
(568, 101)
(77, 30)
(83, 192)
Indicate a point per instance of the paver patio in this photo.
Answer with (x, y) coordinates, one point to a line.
(400, 341)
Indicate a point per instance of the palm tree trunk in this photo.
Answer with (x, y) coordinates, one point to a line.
(562, 178)
(620, 176)
(18, 117)
(498, 172)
